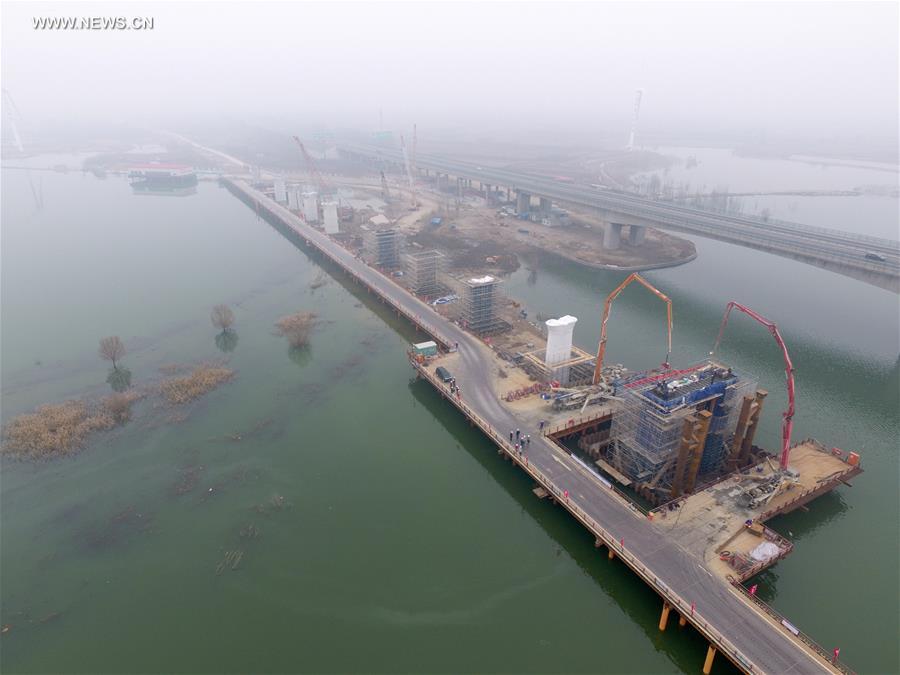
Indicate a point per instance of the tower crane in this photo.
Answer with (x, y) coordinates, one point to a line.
(409, 175)
(415, 144)
(385, 192)
(601, 349)
(12, 112)
(787, 424)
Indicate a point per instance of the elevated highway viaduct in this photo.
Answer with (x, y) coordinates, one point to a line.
(874, 260)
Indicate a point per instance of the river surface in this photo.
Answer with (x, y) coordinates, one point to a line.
(721, 170)
(391, 537)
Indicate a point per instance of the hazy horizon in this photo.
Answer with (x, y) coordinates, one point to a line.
(766, 71)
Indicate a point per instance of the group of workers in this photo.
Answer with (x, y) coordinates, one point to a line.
(521, 440)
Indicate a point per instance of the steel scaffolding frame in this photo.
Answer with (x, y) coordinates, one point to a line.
(383, 248)
(424, 269)
(647, 430)
(481, 300)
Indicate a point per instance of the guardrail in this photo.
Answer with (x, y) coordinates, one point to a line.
(793, 630)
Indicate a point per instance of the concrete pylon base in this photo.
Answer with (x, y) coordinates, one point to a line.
(612, 236)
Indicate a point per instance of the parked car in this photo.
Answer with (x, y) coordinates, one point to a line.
(443, 373)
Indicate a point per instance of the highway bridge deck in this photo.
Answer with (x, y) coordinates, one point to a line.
(747, 633)
(873, 260)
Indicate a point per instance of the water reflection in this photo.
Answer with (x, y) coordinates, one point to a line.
(157, 191)
(300, 355)
(227, 340)
(119, 379)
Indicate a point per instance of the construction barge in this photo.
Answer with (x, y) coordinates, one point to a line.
(719, 522)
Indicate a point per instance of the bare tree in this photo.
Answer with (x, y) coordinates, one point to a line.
(112, 349)
(296, 327)
(222, 317)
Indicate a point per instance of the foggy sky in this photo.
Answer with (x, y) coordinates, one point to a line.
(817, 69)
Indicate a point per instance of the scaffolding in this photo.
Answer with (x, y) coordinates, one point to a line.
(424, 270)
(576, 371)
(482, 299)
(662, 415)
(382, 248)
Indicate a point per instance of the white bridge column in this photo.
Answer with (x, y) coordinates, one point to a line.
(559, 345)
(546, 206)
(612, 236)
(523, 202)
(636, 235)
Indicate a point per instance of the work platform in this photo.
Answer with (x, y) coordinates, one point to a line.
(741, 628)
(717, 525)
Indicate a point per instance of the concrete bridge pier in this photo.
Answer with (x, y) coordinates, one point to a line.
(443, 180)
(707, 664)
(546, 206)
(523, 202)
(636, 235)
(612, 236)
(664, 617)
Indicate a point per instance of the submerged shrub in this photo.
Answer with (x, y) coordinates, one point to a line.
(296, 328)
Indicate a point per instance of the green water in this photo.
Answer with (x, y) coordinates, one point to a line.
(403, 543)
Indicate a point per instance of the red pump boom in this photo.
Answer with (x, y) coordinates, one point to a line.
(788, 415)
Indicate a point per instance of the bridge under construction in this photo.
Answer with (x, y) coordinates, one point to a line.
(693, 548)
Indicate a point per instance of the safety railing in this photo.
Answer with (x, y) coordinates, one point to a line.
(829, 657)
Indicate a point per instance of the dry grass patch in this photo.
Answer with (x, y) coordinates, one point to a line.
(201, 381)
(119, 405)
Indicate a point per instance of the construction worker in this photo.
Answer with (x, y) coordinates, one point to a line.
(510, 436)
(517, 434)
(542, 425)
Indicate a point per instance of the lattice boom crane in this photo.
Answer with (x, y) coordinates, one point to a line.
(321, 185)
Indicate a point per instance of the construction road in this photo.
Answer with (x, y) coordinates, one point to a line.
(758, 644)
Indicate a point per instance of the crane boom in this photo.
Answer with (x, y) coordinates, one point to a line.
(385, 193)
(11, 113)
(409, 175)
(311, 168)
(787, 424)
(601, 349)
